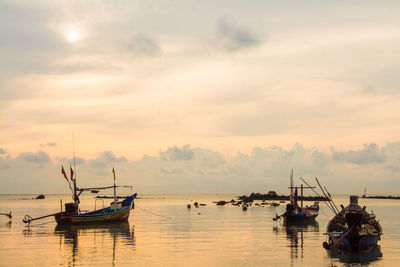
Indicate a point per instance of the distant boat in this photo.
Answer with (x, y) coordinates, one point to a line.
(353, 229)
(41, 196)
(117, 211)
(9, 215)
(295, 213)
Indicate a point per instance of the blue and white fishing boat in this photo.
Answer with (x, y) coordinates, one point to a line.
(116, 212)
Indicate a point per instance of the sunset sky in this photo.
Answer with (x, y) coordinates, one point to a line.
(219, 96)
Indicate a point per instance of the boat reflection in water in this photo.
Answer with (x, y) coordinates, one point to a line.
(356, 257)
(94, 237)
(295, 236)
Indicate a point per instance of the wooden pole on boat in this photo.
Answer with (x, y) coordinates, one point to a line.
(60, 205)
(301, 195)
(330, 199)
(327, 203)
(329, 194)
(28, 219)
(115, 191)
(291, 187)
(74, 178)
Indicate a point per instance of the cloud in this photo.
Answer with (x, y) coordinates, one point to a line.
(77, 161)
(105, 160)
(48, 144)
(233, 37)
(98, 164)
(110, 157)
(176, 153)
(368, 154)
(38, 157)
(173, 171)
(30, 49)
(3, 151)
(142, 44)
(263, 169)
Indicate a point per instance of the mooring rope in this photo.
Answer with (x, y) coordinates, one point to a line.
(136, 206)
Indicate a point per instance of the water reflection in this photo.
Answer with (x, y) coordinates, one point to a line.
(295, 236)
(357, 257)
(119, 232)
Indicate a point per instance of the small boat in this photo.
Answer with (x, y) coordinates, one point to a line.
(295, 213)
(9, 215)
(353, 229)
(117, 211)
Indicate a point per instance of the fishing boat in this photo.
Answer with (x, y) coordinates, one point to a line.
(9, 215)
(117, 211)
(295, 213)
(353, 229)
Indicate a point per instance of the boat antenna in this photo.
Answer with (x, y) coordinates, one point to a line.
(73, 153)
(328, 204)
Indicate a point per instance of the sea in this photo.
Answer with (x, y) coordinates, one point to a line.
(162, 231)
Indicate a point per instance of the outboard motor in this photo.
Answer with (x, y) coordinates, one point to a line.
(71, 208)
(289, 208)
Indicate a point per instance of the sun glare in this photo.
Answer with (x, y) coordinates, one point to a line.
(73, 36)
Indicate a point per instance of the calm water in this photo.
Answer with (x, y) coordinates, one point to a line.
(205, 236)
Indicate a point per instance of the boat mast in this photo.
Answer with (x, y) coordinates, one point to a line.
(291, 187)
(301, 195)
(115, 191)
(74, 178)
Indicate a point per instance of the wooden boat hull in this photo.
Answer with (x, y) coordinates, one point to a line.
(357, 243)
(299, 218)
(300, 215)
(105, 215)
(360, 257)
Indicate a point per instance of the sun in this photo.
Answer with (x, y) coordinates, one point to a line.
(73, 36)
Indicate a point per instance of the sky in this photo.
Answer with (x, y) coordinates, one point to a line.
(222, 96)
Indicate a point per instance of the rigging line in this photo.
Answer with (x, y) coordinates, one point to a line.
(329, 194)
(327, 203)
(73, 152)
(136, 206)
(330, 199)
